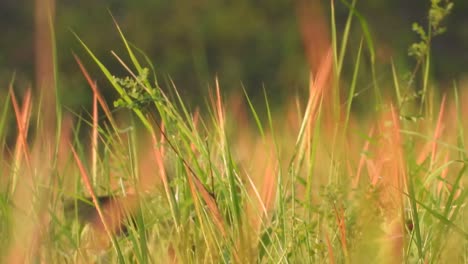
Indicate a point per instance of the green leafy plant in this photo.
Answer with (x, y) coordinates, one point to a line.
(437, 13)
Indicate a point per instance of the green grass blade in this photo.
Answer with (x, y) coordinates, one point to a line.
(118, 88)
(444, 220)
(416, 220)
(130, 52)
(365, 29)
(254, 113)
(344, 40)
(352, 87)
(455, 188)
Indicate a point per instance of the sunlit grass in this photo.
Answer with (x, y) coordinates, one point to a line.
(160, 182)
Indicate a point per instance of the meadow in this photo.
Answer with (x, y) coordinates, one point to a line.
(149, 178)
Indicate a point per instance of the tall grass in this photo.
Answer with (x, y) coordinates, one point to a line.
(172, 184)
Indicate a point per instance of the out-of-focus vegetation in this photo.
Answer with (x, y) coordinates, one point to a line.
(148, 178)
(249, 43)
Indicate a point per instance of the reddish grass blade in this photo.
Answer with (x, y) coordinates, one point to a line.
(438, 131)
(340, 220)
(269, 186)
(96, 92)
(431, 147)
(94, 139)
(331, 256)
(87, 183)
(443, 175)
(22, 118)
(210, 202)
(363, 158)
(219, 106)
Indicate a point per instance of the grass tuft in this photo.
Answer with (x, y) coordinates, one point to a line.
(153, 179)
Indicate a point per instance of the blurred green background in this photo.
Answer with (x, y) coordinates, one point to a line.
(253, 44)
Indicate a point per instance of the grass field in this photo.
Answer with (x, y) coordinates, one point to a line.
(152, 180)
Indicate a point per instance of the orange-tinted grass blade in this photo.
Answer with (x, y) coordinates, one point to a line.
(331, 256)
(21, 149)
(23, 116)
(431, 147)
(438, 131)
(96, 92)
(196, 184)
(159, 152)
(394, 184)
(219, 105)
(363, 158)
(424, 154)
(171, 253)
(94, 139)
(401, 180)
(87, 183)
(195, 118)
(211, 203)
(374, 169)
(318, 84)
(314, 32)
(317, 46)
(269, 184)
(340, 220)
(443, 175)
(317, 87)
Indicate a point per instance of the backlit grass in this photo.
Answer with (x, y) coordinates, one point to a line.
(158, 181)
